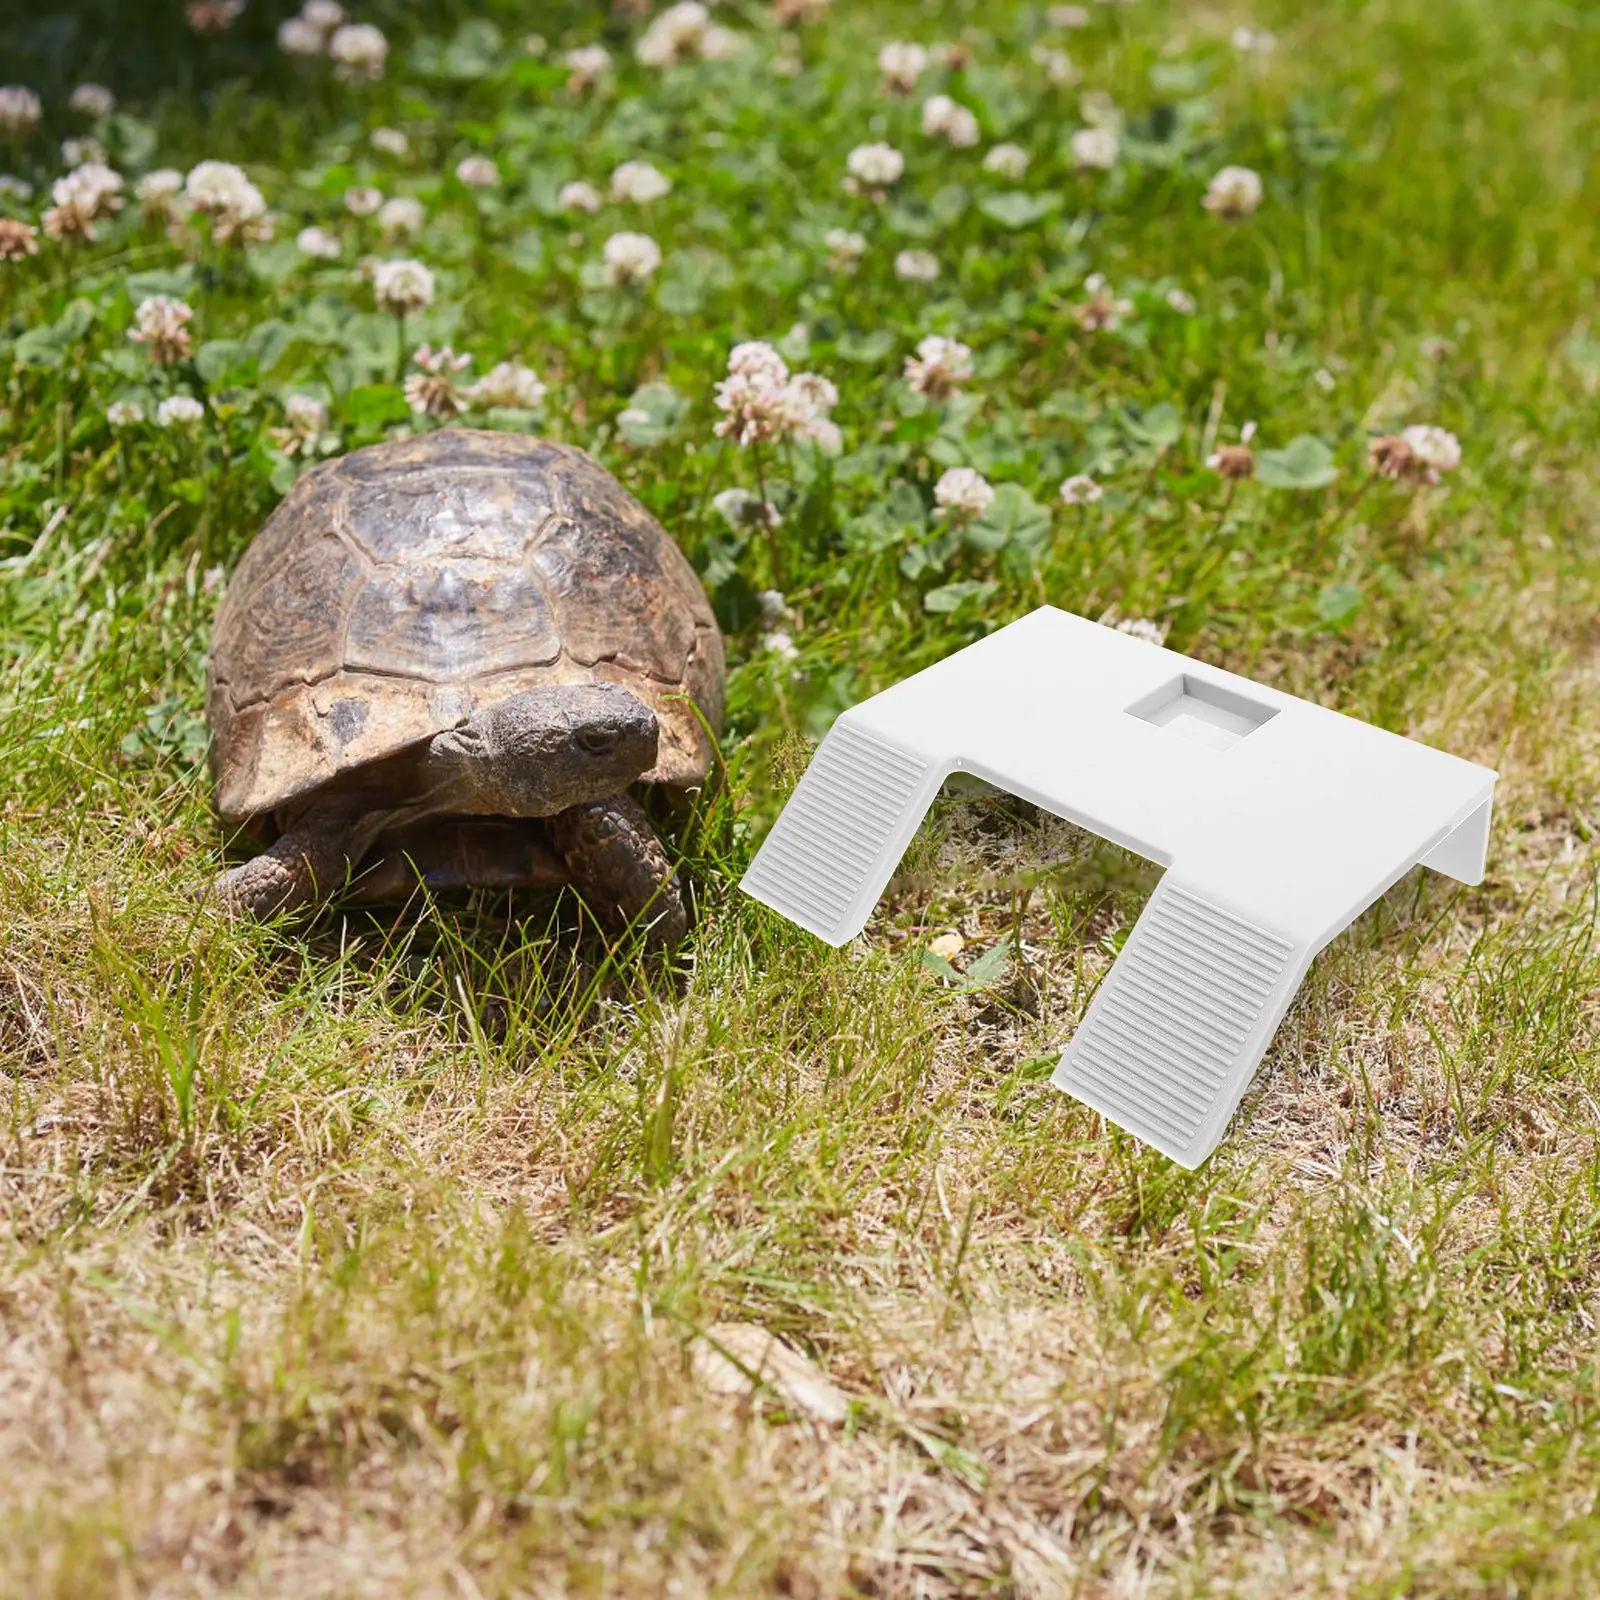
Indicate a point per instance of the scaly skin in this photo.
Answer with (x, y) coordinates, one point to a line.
(617, 861)
(308, 863)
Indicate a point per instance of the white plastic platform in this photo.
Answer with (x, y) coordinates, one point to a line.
(1279, 823)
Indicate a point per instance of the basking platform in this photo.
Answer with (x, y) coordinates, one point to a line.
(1278, 822)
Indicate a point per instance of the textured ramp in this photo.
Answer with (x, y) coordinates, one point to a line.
(1180, 1022)
(842, 833)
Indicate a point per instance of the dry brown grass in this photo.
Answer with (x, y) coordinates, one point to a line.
(387, 1312)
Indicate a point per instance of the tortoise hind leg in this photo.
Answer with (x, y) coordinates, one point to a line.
(308, 863)
(614, 856)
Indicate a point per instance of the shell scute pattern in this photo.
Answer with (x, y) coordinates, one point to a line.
(308, 592)
(401, 587)
(449, 620)
(424, 517)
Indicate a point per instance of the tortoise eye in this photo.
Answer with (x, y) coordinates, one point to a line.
(595, 740)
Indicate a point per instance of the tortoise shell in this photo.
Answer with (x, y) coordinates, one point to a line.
(399, 589)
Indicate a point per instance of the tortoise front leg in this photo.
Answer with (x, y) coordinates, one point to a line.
(615, 858)
(308, 863)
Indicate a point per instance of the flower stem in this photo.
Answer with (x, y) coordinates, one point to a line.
(768, 531)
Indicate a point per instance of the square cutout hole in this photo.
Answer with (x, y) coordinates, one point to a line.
(1203, 711)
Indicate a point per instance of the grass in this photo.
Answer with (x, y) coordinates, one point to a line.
(373, 1256)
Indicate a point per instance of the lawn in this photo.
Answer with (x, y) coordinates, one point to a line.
(391, 1253)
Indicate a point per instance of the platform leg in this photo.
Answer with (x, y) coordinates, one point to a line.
(842, 834)
(1177, 1027)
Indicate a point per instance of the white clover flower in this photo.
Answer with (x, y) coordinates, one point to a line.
(306, 412)
(954, 55)
(509, 384)
(478, 172)
(13, 188)
(1057, 64)
(318, 243)
(401, 287)
(20, 109)
(1080, 490)
(1437, 449)
(93, 100)
(1067, 17)
(124, 413)
(1095, 149)
(67, 224)
(535, 45)
(360, 50)
(757, 359)
(161, 324)
(787, 61)
(939, 367)
(578, 196)
(297, 37)
(963, 494)
(587, 65)
(1234, 462)
(630, 258)
(1182, 302)
(639, 182)
(433, 390)
(92, 186)
(323, 15)
(306, 421)
(1102, 309)
(400, 218)
(212, 16)
(677, 35)
(1099, 110)
(916, 266)
(900, 64)
(391, 142)
(89, 191)
(1250, 41)
(943, 118)
(179, 411)
(759, 399)
(780, 643)
(845, 249)
(741, 509)
(18, 240)
(162, 184)
(875, 166)
(721, 44)
(221, 191)
(812, 396)
(775, 609)
(1143, 628)
(825, 434)
(1234, 192)
(83, 152)
(1008, 161)
(160, 195)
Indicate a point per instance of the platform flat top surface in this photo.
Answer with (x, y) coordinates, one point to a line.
(1300, 819)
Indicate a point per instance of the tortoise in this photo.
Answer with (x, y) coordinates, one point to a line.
(452, 658)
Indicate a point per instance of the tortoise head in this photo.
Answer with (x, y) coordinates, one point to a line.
(536, 753)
